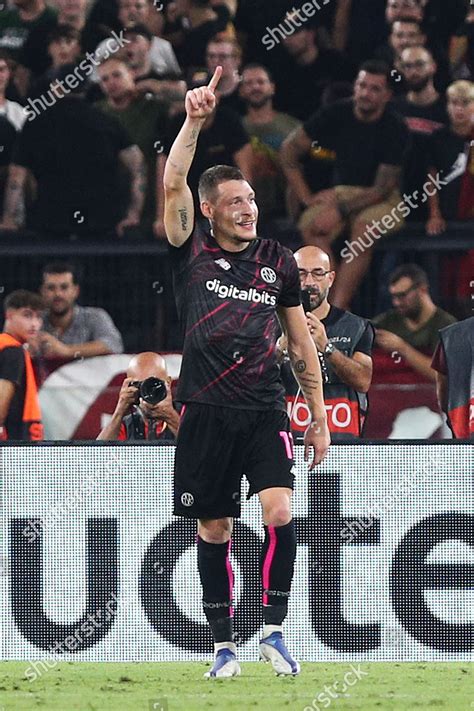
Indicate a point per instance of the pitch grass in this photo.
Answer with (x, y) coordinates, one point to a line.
(72, 686)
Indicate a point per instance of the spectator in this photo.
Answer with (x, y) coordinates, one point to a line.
(227, 53)
(16, 26)
(404, 34)
(267, 129)
(307, 71)
(461, 50)
(162, 57)
(440, 18)
(74, 13)
(369, 141)
(452, 157)
(11, 110)
(344, 344)
(145, 421)
(142, 117)
(139, 56)
(222, 141)
(71, 331)
(424, 111)
(198, 21)
(20, 414)
(453, 362)
(63, 46)
(74, 152)
(411, 328)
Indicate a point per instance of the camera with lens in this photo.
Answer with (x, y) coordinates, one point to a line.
(151, 390)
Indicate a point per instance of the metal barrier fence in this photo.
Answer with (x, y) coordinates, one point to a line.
(132, 281)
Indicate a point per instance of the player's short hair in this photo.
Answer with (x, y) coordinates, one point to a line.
(411, 271)
(376, 66)
(213, 177)
(22, 299)
(61, 268)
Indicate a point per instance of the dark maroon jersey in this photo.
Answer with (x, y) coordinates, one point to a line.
(227, 303)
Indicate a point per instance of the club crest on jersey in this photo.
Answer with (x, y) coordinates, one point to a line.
(268, 275)
(223, 263)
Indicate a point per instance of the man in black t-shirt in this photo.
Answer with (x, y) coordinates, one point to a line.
(20, 415)
(75, 152)
(424, 112)
(344, 344)
(369, 141)
(229, 287)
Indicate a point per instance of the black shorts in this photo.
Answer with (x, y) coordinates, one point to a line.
(216, 446)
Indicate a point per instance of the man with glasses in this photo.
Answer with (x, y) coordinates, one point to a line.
(424, 111)
(411, 328)
(344, 344)
(227, 53)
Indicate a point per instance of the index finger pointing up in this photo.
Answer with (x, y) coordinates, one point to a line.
(215, 79)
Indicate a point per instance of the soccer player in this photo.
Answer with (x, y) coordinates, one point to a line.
(229, 287)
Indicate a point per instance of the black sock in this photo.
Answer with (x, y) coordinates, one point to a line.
(217, 582)
(277, 559)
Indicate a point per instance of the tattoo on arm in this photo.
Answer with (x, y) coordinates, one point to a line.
(308, 381)
(183, 216)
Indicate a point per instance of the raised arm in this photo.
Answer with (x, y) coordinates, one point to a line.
(179, 206)
(305, 363)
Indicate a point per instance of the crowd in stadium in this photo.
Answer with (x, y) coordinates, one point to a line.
(351, 120)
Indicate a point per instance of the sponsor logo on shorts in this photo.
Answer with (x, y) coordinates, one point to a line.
(268, 275)
(233, 292)
(187, 499)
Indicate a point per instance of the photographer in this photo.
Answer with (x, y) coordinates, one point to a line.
(144, 409)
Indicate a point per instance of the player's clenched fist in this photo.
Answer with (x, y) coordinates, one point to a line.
(201, 102)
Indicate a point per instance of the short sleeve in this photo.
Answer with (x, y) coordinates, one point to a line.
(439, 359)
(396, 143)
(319, 124)
(366, 341)
(291, 288)
(102, 328)
(12, 364)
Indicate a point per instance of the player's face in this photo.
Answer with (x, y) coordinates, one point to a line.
(234, 214)
(59, 292)
(406, 297)
(24, 324)
(316, 277)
